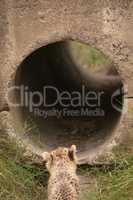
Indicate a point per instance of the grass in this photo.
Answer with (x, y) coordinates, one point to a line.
(89, 56)
(117, 183)
(19, 179)
(113, 181)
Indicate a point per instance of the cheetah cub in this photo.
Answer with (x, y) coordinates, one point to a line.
(63, 182)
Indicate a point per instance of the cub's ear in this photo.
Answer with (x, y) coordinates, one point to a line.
(47, 159)
(72, 153)
(73, 148)
(45, 156)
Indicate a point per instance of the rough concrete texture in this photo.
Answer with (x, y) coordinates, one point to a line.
(26, 25)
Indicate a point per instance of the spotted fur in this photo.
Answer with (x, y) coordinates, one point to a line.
(63, 182)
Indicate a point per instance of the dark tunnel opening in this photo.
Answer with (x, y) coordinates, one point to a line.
(64, 104)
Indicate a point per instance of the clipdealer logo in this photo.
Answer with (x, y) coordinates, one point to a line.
(89, 102)
(64, 99)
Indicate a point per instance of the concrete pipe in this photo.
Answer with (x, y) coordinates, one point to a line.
(35, 53)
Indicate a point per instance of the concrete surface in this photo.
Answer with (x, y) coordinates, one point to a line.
(26, 26)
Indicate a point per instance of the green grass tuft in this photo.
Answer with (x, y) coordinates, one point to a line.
(18, 179)
(89, 56)
(114, 180)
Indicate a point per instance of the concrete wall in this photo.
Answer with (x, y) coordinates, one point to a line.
(26, 25)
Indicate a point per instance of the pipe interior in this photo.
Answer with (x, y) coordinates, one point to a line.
(54, 65)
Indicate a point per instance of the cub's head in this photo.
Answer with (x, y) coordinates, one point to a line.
(61, 159)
